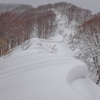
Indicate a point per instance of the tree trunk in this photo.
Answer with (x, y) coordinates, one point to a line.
(96, 60)
(98, 73)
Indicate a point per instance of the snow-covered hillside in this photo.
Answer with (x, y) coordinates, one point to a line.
(63, 27)
(47, 70)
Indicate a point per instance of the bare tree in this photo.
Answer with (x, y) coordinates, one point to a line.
(88, 41)
(12, 29)
(3, 47)
(45, 24)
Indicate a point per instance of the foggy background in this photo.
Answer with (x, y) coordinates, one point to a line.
(93, 5)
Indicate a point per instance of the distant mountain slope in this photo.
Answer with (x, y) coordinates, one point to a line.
(72, 12)
(14, 7)
(22, 8)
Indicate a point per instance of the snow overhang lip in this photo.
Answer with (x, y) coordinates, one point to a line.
(77, 72)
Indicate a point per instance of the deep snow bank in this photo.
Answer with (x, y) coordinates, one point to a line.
(45, 71)
(37, 77)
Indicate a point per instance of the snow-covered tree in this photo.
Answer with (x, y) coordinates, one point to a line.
(87, 40)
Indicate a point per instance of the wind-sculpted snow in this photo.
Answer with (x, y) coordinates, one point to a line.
(45, 75)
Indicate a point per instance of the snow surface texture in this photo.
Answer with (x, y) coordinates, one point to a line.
(47, 70)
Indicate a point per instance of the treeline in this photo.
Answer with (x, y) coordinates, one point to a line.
(16, 28)
(43, 21)
(13, 31)
(87, 40)
(73, 13)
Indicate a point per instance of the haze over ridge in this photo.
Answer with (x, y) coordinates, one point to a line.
(92, 5)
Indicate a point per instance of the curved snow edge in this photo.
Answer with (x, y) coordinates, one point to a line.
(77, 72)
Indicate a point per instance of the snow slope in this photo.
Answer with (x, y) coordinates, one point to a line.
(57, 45)
(45, 71)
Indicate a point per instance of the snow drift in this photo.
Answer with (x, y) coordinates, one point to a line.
(39, 74)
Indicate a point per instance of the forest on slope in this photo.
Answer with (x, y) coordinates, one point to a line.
(20, 22)
(87, 40)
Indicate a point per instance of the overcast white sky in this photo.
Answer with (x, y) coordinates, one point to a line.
(93, 5)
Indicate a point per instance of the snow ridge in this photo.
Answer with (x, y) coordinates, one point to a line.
(45, 75)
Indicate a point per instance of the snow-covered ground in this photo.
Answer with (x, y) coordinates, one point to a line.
(47, 70)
